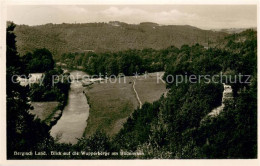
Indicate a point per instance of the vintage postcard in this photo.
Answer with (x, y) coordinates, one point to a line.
(129, 81)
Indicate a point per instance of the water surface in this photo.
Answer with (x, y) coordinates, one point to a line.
(73, 121)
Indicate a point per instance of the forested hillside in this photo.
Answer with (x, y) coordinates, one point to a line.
(173, 128)
(113, 36)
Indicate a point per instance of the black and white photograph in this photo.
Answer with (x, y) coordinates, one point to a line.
(130, 81)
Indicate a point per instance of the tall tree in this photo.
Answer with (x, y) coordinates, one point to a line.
(23, 132)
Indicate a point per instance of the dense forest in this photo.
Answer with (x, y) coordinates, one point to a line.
(173, 126)
(126, 62)
(41, 61)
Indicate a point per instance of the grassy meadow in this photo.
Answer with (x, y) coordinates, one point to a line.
(112, 103)
(43, 110)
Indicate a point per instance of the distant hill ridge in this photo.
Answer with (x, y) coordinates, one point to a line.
(233, 30)
(112, 36)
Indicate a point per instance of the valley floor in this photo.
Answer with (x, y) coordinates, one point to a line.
(112, 103)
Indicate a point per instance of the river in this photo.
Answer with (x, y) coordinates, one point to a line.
(73, 121)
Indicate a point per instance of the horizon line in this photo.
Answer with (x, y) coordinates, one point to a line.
(132, 24)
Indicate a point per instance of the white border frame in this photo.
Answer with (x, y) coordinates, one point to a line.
(3, 11)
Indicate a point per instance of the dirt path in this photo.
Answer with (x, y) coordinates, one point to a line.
(137, 96)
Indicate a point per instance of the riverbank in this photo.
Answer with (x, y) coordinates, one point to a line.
(56, 114)
(50, 112)
(44, 110)
(110, 106)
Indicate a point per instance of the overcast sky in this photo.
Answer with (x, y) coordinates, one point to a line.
(201, 16)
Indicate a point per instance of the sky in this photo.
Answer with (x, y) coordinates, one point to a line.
(201, 16)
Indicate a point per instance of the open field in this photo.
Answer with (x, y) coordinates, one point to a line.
(112, 103)
(148, 89)
(43, 109)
